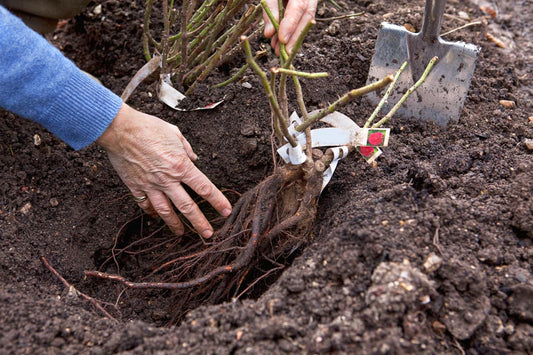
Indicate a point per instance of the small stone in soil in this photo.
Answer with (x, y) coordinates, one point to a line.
(529, 143)
(508, 103)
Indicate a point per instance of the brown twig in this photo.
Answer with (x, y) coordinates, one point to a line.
(341, 17)
(72, 289)
(436, 242)
(265, 275)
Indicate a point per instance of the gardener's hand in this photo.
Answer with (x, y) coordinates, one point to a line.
(297, 14)
(153, 159)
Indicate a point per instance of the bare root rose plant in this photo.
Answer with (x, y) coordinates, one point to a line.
(269, 222)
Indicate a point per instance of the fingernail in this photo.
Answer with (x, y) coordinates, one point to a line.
(288, 50)
(285, 39)
(226, 212)
(207, 233)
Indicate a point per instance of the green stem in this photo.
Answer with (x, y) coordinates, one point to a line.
(406, 95)
(287, 65)
(198, 43)
(171, 6)
(146, 30)
(197, 20)
(228, 40)
(239, 28)
(164, 40)
(385, 97)
(239, 73)
(184, 39)
(274, 104)
(298, 43)
(344, 100)
(270, 15)
(305, 116)
(283, 53)
(300, 98)
(300, 73)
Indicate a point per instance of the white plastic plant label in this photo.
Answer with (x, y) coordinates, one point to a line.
(172, 97)
(167, 94)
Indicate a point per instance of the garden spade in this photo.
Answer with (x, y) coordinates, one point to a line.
(441, 97)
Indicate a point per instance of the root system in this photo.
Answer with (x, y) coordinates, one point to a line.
(268, 224)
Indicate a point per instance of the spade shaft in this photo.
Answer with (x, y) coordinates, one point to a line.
(425, 45)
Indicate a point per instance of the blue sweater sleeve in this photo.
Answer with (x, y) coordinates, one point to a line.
(37, 82)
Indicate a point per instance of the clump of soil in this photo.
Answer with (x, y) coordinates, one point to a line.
(430, 250)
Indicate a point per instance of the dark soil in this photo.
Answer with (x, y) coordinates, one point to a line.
(429, 251)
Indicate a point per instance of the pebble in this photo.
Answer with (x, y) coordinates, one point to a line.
(509, 329)
(26, 208)
(463, 15)
(97, 9)
(529, 143)
(438, 327)
(508, 103)
(433, 262)
(37, 140)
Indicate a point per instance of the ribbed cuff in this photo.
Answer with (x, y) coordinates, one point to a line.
(82, 111)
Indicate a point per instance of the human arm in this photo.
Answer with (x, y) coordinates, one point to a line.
(297, 14)
(37, 82)
(150, 155)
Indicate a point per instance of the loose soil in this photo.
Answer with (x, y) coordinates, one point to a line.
(429, 251)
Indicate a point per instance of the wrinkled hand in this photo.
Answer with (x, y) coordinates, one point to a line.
(297, 14)
(153, 159)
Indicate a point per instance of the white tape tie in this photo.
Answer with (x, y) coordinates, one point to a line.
(297, 155)
(338, 154)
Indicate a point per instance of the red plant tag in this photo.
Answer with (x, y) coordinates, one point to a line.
(375, 138)
(369, 153)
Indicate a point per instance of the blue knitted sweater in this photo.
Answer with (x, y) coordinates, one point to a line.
(37, 82)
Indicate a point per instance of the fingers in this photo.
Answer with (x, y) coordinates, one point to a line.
(275, 44)
(269, 27)
(207, 190)
(188, 149)
(195, 179)
(297, 15)
(153, 158)
(164, 209)
(159, 202)
(185, 204)
(146, 205)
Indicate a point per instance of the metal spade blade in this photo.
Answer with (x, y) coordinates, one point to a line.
(441, 97)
